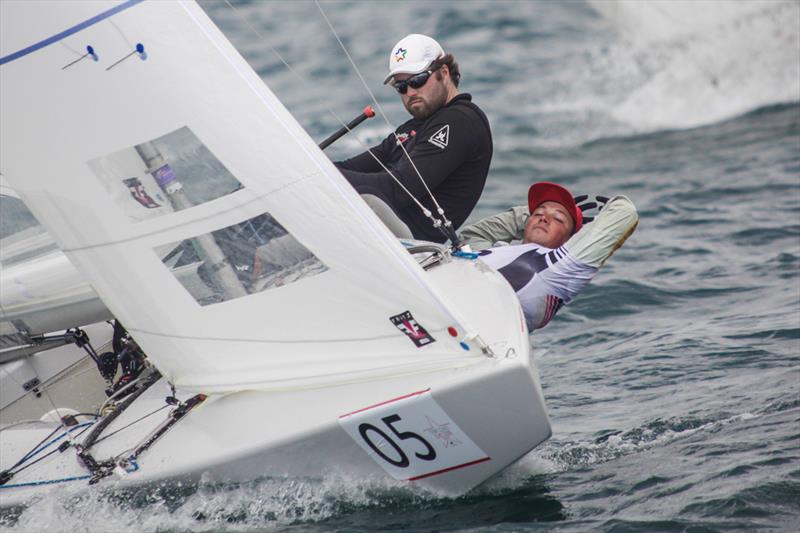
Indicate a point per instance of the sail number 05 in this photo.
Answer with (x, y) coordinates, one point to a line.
(368, 431)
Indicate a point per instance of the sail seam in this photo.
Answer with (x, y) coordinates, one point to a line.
(217, 214)
(272, 341)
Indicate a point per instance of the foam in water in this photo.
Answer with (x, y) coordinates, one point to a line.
(265, 503)
(701, 62)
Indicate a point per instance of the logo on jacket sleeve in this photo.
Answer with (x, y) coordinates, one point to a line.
(406, 323)
(403, 137)
(440, 137)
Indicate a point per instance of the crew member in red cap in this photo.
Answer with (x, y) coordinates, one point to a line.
(559, 250)
(447, 142)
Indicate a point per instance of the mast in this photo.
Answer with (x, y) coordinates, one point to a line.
(168, 181)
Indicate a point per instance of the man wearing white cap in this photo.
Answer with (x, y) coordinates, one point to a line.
(448, 140)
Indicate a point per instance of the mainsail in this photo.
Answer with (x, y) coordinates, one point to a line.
(144, 142)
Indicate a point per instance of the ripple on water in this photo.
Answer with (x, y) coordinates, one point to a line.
(784, 265)
(766, 235)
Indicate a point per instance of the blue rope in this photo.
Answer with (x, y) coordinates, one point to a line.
(42, 448)
(134, 467)
(46, 482)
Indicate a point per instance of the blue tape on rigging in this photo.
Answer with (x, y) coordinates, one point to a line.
(66, 33)
(465, 255)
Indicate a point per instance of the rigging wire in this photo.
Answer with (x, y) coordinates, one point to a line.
(380, 109)
(427, 212)
(104, 437)
(21, 463)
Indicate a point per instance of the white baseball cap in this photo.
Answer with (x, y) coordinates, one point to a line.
(413, 54)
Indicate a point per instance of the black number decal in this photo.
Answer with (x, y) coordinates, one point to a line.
(402, 462)
(391, 419)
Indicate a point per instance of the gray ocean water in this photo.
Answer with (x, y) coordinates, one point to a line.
(673, 381)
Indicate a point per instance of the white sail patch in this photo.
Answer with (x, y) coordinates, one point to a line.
(412, 437)
(441, 137)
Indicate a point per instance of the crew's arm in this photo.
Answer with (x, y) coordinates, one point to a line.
(366, 161)
(434, 162)
(503, 227)
(598, 240)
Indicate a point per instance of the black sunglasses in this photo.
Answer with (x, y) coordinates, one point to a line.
(415, 82)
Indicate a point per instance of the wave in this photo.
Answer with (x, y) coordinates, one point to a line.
(695, 63)
(774, 121)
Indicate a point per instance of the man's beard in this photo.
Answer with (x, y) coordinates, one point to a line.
(437, 100)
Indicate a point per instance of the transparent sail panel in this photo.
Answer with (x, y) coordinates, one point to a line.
(14, 216)
(21, 235)
(255, 255)
(173, 172)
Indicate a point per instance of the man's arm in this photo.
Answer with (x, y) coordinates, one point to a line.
(503, 227)
(434, 161)
(366, 162)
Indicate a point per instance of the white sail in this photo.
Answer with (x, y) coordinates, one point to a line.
(159, 81)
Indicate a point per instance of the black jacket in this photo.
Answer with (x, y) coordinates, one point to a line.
(452, 150)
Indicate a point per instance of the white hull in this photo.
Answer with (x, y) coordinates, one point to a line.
(243, 436)
(495, 405)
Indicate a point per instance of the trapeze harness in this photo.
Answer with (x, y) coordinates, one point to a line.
(544, 279)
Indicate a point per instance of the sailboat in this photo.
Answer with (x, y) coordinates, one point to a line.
(307, 340)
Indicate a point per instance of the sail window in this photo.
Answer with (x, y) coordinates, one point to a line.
(169, 173)
(21, 235)
(253, 256)
(15, 217)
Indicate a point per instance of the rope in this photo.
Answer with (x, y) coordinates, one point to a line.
(118, 393)
(146, 382)
(45, 482)
(9, 473)
(35, 449)
(151, 413)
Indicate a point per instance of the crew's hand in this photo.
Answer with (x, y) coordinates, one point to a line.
(586, 203)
